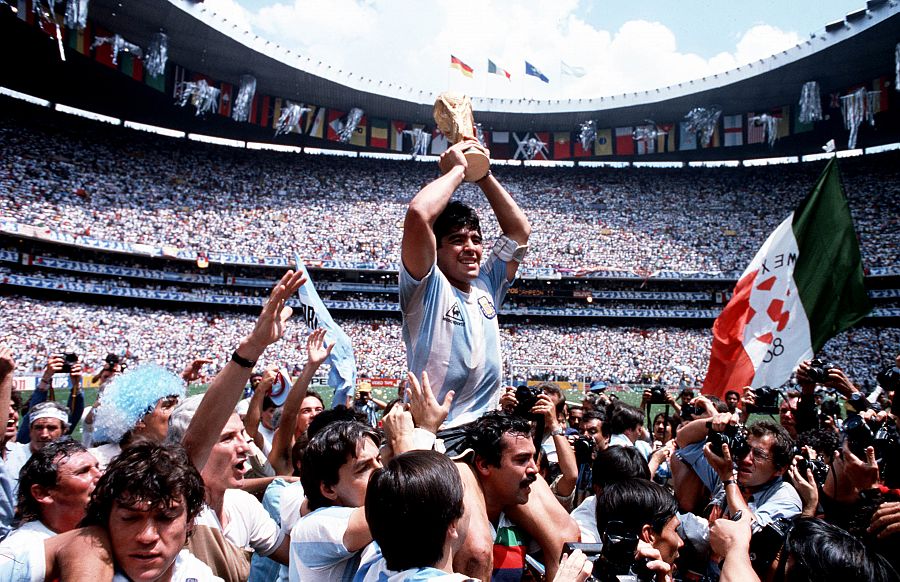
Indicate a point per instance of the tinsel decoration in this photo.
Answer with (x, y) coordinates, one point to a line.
(810, 103)
(118, 45)
(421, 139)
(291, 114)
(897, 67)
(587, 134)
(242, 103)
(76, 14)
(479, 134)
(157, 55)
(647, 133)
(770, 123)
(857, 107)
(45, 10)
(533, 146)
(703, 120)
(204, 98)
(345, 129)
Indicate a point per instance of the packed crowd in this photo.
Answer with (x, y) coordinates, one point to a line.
(122, 185)
(666, 355)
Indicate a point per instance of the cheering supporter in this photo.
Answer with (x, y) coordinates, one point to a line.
(58, 363)
(47, 422)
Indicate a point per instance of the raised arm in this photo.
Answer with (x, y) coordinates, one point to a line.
(280, 455)
(510, 217)
(7, 370)
(227, 387)
(418, 249)
(254, 409)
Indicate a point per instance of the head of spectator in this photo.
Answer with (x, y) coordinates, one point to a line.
(617, 463)
(770, 454)
(592, 427)
(664, 427)
(364, 392)
(822, 440)
(338, 462)
(576, 413)
(267, 416)
(503, 459)
(732, 399)
(642, 509)
(624, 419)
(686, 395)
(787, 412)
(255, 379)
(138, 404)
(146, 501)
(47, 422)
(555, 393)
(310, 407)
(817, 551)
(421, 487)
(56, 484)
(9, 435)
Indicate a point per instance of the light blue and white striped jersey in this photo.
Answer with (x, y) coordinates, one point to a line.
(454, 336)
(318, 553)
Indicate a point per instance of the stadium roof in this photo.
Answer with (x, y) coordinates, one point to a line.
(848, 51)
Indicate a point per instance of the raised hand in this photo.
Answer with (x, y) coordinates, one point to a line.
(427, 412)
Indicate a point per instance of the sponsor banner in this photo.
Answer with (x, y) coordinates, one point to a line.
(577, 386)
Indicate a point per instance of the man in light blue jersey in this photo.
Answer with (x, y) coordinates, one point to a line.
(448, 298)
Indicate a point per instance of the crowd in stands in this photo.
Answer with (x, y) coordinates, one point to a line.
(573, 352)
(123, 185)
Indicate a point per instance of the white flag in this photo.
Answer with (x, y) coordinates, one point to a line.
(570, 70)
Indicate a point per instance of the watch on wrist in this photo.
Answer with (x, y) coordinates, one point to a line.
(728, 482)
(559, 431)
(242, 361)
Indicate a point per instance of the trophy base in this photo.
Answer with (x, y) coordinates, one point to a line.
(477, 163)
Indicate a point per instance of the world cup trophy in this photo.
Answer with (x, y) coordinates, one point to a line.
(453, 116)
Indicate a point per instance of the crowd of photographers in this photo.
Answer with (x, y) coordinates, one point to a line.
(122, 185)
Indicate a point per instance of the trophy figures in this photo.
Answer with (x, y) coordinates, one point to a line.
(453, 116)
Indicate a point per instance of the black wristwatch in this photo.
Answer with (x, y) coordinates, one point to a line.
(241, 361)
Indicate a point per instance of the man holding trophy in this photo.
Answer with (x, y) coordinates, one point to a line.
(448, 298)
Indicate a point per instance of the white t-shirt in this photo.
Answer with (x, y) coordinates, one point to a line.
(17, 454)
(318, 553)
(267, 436)
(33, 532)
(187, 569)
(585, 515)
(249, 524)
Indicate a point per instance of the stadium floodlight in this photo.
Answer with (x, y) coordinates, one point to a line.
(715, 164)
(87, 114)
(24, 97)
(275, 147)
(771, 161)
(667, 164)
(888, 147)
(154, 129)
(216, 140)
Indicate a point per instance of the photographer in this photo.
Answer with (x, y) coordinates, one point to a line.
(62, 363)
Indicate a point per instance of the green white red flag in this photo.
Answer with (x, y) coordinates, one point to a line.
(804, 286)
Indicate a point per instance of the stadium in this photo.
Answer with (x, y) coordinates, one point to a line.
(135, 225)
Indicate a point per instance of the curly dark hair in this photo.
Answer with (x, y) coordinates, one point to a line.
(455, 216)
(327, 451)
(485, 434)
(42, 469)
(147, 472)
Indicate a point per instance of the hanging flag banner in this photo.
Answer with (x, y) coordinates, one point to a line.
(804, 286)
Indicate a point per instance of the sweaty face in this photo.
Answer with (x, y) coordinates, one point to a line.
(459, 257)
(146, 540)
(44, 430)
(788, 413)
(156, 422)
(758, 467)
(309, 409)
(11, 423)
(353, 476)
(510, 483)
(592, 428)
(228, 459)
(668, 542)
(76, 476)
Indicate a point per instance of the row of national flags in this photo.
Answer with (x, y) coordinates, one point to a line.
(530, 70)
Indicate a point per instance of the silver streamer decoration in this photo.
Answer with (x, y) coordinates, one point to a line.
(897, 67)
(45, 10)
(76, 14)
(421, 139)
(533, 147)
(204, 98)
(290, 117)
(770, 122)
(479, 134)
(240, 111)
(649, 132)
(703, 120)
(810, 103)
(587, 134)
(118, 45)
(856, 107)
(157, 55)
(346, 128)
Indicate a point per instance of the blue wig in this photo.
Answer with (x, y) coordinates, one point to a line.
(131, 396)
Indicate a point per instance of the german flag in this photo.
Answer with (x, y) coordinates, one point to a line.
(463, 68)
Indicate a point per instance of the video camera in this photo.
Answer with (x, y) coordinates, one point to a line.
(614, 560)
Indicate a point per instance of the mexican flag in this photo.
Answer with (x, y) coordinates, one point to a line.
(803, 286)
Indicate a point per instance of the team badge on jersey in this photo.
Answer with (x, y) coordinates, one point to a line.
(487, 308)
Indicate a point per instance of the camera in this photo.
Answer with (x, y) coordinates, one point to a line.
(691, 411)
(818, 370)
(735, 436)
(819, 468)
(584, 449)
(658, 395)
(613, 560)
(889, 378)
(858, 402)
(526, 398)
(766, 400)
(68, 359)
(858, 435)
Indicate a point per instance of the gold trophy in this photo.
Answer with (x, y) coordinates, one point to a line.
(453, 116)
